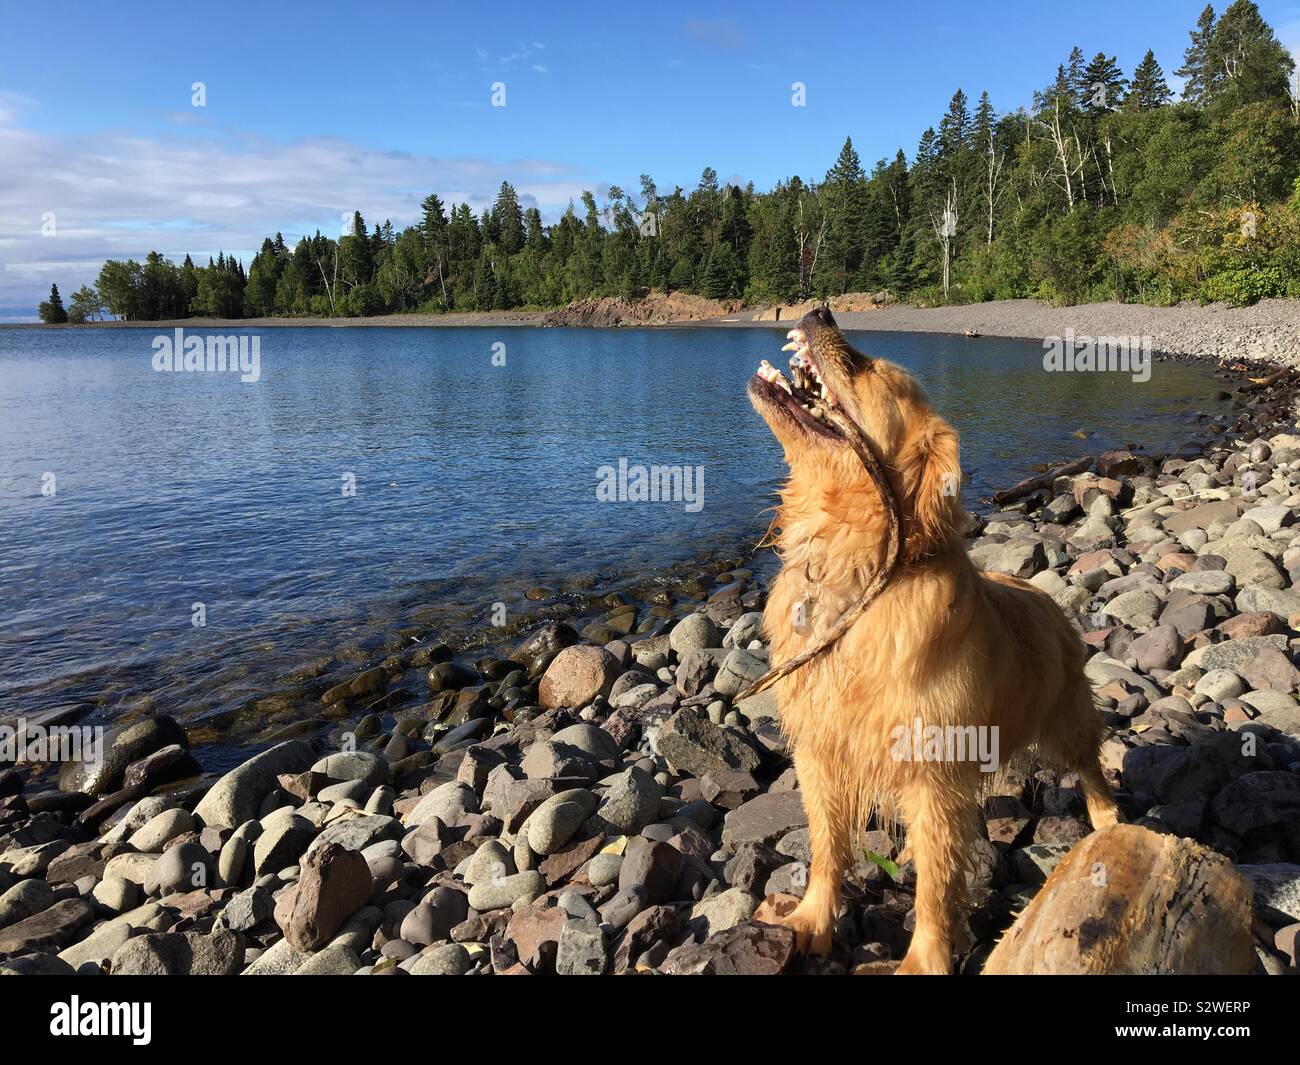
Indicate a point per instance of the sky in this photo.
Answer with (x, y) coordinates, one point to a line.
(309, 111)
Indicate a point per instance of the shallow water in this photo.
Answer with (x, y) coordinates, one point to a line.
(473, 482)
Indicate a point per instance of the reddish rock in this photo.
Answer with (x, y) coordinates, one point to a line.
(561, 865)
(1255, 624)
(535, 934)
(576, 676)
(745, 950)
(333, 884)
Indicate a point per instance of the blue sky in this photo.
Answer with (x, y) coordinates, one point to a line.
(314, 109)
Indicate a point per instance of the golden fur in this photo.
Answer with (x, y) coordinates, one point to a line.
(943, 644)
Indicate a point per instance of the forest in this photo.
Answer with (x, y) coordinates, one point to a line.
(1102, 187)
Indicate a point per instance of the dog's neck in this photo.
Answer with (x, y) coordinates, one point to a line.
(835, 539)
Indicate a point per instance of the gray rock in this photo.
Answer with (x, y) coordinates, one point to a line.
(556, 820)
(27, 898)
(357, 832)
(724, 910)
(161, 829)
(179, 954)
(745, 629)
(694, 632)
(237, 797)
(739, 669)
(184, 866)
(1205, 582)
(603, 869)
(1277, 890)
(282, 844)
(448, 802)
(281, 959)
(764, 819)
(590, 739)
(695, 745)
(492, 861)
(122, 746)
(116, 894)
(631, 803)
(369, 768)
(443, 959)
(335, 959)
(581, 950)
(497, 894)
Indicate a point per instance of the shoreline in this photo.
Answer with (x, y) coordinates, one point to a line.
(1268, 331)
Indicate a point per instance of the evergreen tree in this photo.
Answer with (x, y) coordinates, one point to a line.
(51, 310)
(843, 197)
(1075, 80)
(508, 219)
(1196, 71)
(1103, 84)
(954, 127)
(1149, 89)
(1249, 64)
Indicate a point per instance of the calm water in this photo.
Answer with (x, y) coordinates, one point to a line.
(473, 481)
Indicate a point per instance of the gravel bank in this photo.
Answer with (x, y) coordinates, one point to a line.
(1269, 331)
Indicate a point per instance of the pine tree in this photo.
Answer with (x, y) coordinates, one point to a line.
(1149, 89)
(1249, 64)
(843, 196)
(1103, 84)
(954, 127)
(52, 311)
(1196, 70)
(508, 219)
(1074, 72)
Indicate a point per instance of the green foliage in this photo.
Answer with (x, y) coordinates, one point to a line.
(1240, 287)
(51, 310)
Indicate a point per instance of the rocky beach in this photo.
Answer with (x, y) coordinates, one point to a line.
(594, 800)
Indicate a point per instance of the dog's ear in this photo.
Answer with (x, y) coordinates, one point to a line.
(931, 476)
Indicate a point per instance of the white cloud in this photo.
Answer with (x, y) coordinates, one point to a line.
(196, 191)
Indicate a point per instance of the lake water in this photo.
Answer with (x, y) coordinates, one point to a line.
(472, 482)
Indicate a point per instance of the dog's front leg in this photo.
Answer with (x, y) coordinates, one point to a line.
(941, 826)
(829, 831)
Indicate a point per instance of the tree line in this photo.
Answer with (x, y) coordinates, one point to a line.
(1103, 187)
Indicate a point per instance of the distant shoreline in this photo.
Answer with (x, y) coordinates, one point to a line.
(1268, 331)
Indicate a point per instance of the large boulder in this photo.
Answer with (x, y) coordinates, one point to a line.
(334, 883)
(1131, 901)
(237, 797)
(576, 676)
(121, 746)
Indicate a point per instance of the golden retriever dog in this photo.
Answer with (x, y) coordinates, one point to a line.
(947, 670)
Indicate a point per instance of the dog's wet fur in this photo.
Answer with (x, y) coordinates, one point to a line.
(943, 644)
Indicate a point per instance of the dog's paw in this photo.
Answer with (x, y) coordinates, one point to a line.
(812, 932)
(925, 963)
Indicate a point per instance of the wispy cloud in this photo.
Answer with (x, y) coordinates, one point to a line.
(724, 33)
(199, 191)
(525, 54)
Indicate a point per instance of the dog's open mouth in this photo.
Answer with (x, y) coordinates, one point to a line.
(804, 396)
